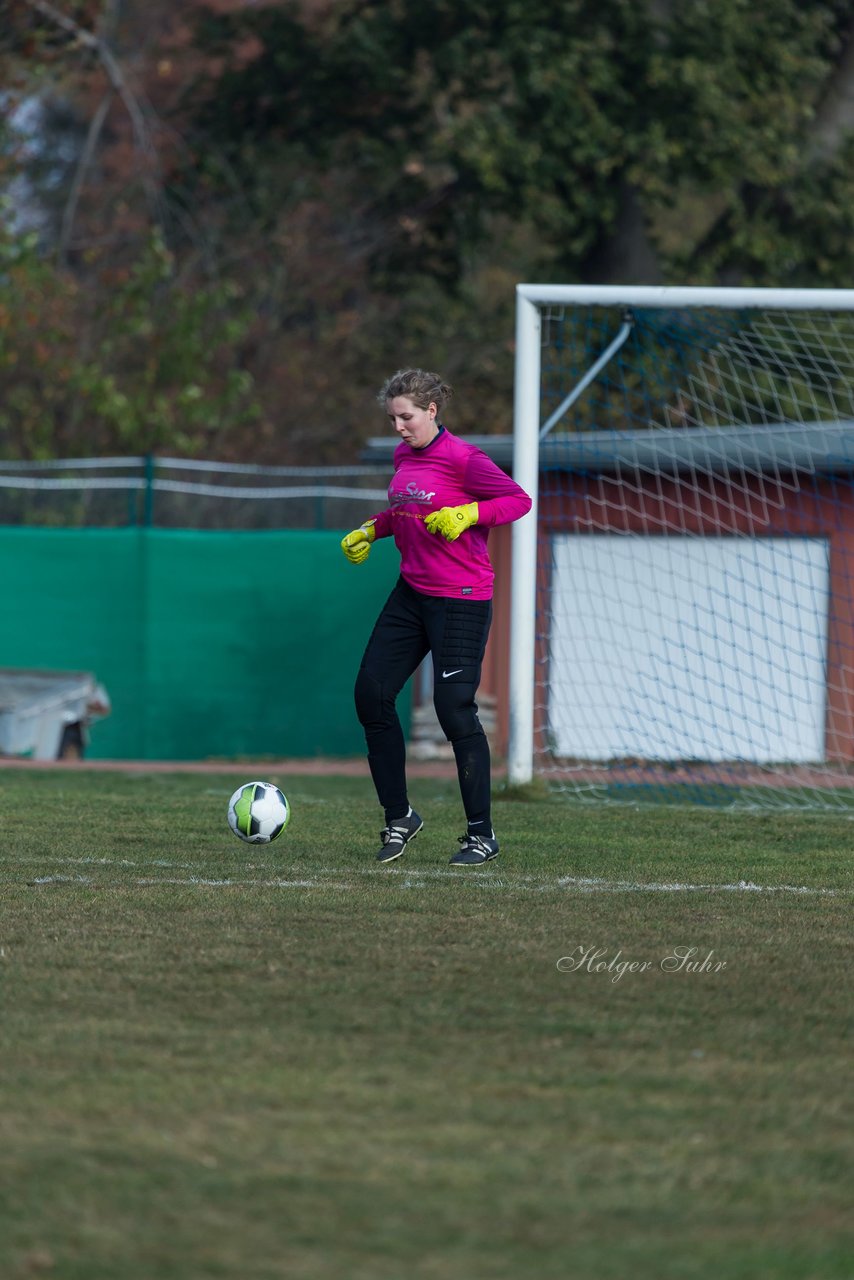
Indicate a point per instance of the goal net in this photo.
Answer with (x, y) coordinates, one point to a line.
(683, 600)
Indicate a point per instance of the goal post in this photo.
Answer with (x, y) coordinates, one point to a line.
(526, 430)
(682, 609)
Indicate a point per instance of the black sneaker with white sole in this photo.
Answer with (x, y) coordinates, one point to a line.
(475, 850)
(397, 835)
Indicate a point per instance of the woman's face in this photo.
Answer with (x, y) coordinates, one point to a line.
(416, 426)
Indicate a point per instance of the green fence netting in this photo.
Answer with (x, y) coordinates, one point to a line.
(211, 645)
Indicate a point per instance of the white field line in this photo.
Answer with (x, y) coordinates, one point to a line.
(418, 878)
(192, 881)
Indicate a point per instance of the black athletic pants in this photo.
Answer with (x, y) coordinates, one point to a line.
(410, 626)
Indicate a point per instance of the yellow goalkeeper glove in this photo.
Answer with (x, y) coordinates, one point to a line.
(452, 521)
(357, 545)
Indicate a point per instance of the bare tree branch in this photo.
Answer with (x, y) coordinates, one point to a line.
(96, 124)
(118, 80)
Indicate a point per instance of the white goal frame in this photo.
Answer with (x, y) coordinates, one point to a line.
(527, 431)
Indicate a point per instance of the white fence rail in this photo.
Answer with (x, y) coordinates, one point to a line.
(182, 492)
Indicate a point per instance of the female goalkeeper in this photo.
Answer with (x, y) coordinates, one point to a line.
(444, 497)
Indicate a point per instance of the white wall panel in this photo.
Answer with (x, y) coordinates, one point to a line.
(678, 648)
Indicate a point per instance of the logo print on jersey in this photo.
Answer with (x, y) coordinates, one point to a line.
(411, 494)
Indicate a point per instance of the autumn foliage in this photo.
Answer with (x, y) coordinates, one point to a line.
(226, 223)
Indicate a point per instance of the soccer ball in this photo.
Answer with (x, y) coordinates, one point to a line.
(258, 812)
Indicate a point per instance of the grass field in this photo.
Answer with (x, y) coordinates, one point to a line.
(287, 1061)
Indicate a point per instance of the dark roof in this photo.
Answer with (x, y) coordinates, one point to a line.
(826, 447)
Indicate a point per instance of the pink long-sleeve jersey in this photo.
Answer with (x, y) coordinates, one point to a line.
(447, 472)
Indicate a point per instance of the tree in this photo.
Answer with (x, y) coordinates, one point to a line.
(638, 141)
(123, 364)
(367, 180)
(108, 340)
